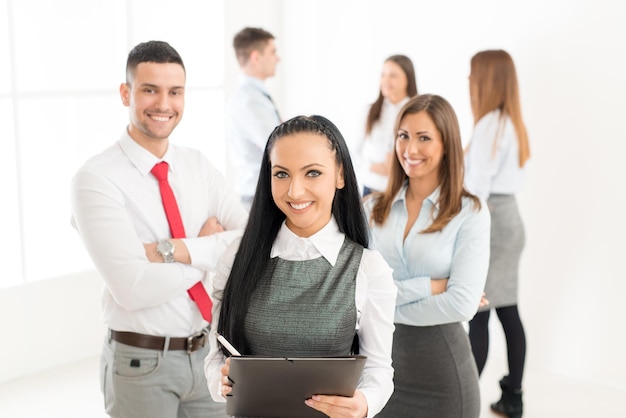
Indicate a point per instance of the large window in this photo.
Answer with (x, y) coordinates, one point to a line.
(62, 63)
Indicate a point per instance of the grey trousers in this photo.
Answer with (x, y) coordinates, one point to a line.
(141, 383)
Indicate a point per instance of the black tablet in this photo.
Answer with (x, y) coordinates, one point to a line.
(277, 387)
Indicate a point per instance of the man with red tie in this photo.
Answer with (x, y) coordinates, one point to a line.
(155, 217)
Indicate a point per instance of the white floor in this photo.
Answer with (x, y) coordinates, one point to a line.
(73, 391)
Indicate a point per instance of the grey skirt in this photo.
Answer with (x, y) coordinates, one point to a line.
(434, 374)
(507, 243)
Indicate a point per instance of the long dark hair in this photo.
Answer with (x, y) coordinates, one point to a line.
(411, 89)
(266, 219)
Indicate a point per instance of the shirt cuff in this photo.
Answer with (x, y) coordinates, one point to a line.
(206, 251)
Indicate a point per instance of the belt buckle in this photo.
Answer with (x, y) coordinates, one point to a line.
(201, 338)
(190, 344)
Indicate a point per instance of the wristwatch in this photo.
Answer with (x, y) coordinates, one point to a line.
(165, 249)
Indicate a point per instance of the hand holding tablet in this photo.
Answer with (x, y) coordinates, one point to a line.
(278, 386)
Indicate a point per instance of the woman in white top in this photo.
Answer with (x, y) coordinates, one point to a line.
(495, 165)
(375, 150)
(301, 281)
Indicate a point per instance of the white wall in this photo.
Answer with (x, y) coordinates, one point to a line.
(49, 323)
(571, 60)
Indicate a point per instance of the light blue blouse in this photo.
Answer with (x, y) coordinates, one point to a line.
(459, 252)
(250, 119)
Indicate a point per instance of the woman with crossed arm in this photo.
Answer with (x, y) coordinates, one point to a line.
(435, 236)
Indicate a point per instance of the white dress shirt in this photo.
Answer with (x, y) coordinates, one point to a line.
(375, 146)
(374, 298)
(492, 158)
(251, 118)
(117, 207)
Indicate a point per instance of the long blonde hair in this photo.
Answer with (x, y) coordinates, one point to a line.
(450, 168)
(493, 86)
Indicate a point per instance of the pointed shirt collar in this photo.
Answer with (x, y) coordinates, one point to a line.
(143, 159)
(326, 242)
(433, 198)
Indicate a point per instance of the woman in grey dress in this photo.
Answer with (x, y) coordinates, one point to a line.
(301, 282)
(496, 164)
(435, 236)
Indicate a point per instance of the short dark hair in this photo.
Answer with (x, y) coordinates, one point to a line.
(250, 39)
(151, 51)
(266, 219)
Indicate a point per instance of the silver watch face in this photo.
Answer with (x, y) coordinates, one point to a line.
(166, 250)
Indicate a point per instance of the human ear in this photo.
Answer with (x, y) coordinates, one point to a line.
(254, 56)
(340, 183)
(125, 94)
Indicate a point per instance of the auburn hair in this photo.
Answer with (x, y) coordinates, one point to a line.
(493, 86)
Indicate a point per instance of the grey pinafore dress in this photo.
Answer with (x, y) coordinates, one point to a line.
(305, 308)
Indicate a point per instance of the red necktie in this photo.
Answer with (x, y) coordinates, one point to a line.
(197, 292)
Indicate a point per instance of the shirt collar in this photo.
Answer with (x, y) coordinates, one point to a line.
(143, 159)
(433, 198)
(395, 106)
(326, 242)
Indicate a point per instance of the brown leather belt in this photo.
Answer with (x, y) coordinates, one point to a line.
(190, 344)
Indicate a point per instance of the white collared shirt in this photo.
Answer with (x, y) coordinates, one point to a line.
(374, 147)
(489, 169)
(117, 207)
(374, 299)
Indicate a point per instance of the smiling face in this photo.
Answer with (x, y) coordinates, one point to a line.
(156, 101)
(305, 176)
(419, 148)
